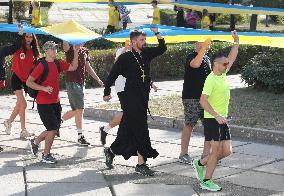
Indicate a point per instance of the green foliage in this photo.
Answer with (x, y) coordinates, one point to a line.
(168, 17)
(266, 70)
(225, 18)
(20, 8)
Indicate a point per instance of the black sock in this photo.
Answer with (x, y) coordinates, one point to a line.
(205, 180)
(199, 163)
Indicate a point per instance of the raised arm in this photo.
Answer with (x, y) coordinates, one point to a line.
(74, 65)
(234, 51)
(196, 62)
(160, 49)
(11, 49)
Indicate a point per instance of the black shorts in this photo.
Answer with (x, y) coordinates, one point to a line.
(17, 84)
(215, 131)
(50, 115)
(121, 97)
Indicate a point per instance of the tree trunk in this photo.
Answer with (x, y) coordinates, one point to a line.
(10, 16)
(253, 22)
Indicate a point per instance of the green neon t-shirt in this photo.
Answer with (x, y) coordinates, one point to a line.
(218, 91)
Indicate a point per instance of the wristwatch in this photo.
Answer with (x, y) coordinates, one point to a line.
(157, 33)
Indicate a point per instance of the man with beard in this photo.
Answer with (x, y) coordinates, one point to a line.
(133, 133)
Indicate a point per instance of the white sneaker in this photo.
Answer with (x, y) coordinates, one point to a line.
(8, 127)
(25, 134)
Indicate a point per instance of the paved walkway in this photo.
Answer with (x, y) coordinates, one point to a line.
(253, 168)
(96, 15)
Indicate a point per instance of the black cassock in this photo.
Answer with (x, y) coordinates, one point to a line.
(133, 132)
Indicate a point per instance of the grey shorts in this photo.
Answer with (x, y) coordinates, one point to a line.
(75, 94)
(192, 111)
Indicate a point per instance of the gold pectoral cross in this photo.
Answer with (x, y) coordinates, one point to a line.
(143, 76)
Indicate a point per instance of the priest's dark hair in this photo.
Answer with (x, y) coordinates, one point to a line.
(136, 33)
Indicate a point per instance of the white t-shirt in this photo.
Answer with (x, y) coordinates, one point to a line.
(120, 81)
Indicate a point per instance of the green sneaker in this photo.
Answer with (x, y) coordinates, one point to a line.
(199, 170)
(210, 185)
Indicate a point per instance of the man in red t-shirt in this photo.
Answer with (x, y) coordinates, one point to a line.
(48, 101)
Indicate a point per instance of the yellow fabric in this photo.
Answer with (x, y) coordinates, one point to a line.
(111, 11)
(116, 19)
(70, 29)
(205, 22)
(36, 17)
(104, 1)
(229, 10)
(252, 40)
(156, 16)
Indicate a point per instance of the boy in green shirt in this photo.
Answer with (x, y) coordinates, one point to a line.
(215, 101)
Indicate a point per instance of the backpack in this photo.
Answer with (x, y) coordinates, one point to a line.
(32, 92)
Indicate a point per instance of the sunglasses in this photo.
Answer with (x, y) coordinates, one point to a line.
(226, 64)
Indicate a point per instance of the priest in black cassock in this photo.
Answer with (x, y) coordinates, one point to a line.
(133, 133)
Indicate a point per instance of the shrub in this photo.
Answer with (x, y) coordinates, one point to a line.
(168, 17)
(266, 70)
(20, 9)
(225, 18)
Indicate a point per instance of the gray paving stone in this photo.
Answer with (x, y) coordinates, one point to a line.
(262, 150)
(243, 161)
(56, 189)
(258, 180)
(128, 189)
(276, 168)
(10, 160)
(64, 175)
(12, 181)
(187, 170)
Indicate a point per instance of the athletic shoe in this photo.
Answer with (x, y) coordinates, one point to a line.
(144, 170)
(199, 170)
(210, 185)
(48, 159)
(103, 135)
(8, 127)
(184, 159)
(82, 141)
(109, 157)
(34, 147)
(25, 134)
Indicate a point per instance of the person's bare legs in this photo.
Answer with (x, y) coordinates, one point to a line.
(68, 115)
(19, 109)
(105, 129)
(79, 118)
(115, 121)
(185, 139)
(49, 138)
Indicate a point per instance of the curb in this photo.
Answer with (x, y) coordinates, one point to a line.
(247, 133)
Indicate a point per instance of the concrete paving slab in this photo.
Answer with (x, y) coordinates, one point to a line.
(173, 150)
(64, 175)
(12, 181)
(258, 180)
(187, 170)
(10, 160)
(128, 189)
(56, 189)
(243, 161)
(276, 168)
(262, 150)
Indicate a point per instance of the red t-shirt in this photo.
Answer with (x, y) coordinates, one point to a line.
(23, 63)
(78, 75)
(52, 80)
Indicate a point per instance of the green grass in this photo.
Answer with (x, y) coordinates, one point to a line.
(248, 107)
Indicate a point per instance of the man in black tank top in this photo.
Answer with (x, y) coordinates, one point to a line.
(197, 68)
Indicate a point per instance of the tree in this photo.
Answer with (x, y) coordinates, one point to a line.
(263, 3)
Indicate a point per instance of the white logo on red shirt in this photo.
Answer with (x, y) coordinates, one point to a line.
(22, 56)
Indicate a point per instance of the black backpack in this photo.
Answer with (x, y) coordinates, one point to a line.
(32, 92)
